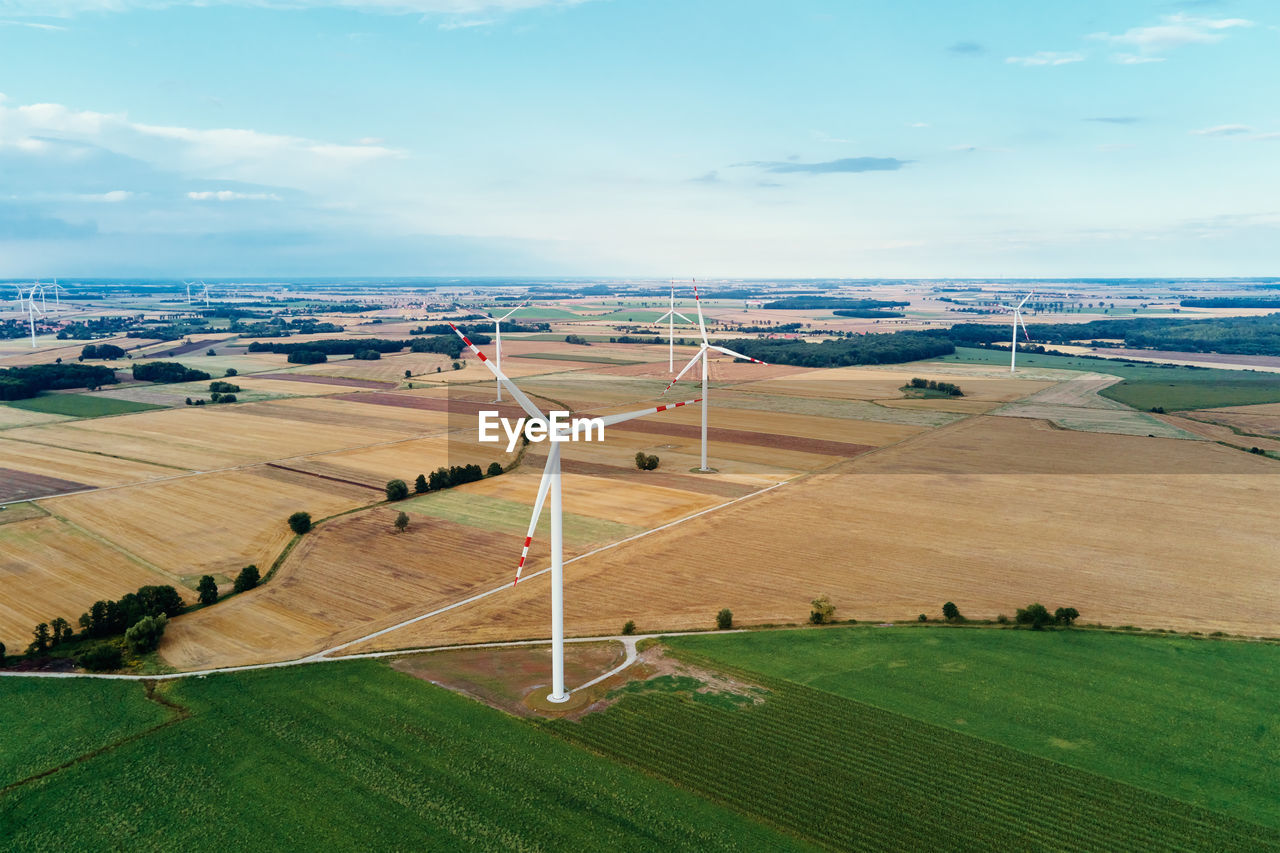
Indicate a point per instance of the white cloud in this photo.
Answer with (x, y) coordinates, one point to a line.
(1222, 130)
(1266, 137)
(472, 10)
(31, 24)
(111, 197)
(1047, 57)
(1134, 59)
(229, 195)
(918, 124)
(1174, 31)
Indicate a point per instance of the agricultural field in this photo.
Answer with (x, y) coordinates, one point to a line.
(329, 757)
(1183, 717)
(37, 459)
(80, 405)
(847, 775)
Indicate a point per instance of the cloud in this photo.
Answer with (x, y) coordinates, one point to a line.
(1174, 31)
(918, 124)
(1116, 119)
(469, 12)
(1222, 130)
(1134, 59)
(1047, 57)
(1266, 137)
(31, 24)
(966, 48)
(847, 164)
(230, 195)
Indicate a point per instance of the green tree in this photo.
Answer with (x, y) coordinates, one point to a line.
(247, 579)
(408, 373)
(61, 631)
(440, 480)
(1066, 616)
(650, 463)
(495, 469)
(144, 635)
(39, 639)
(231, 371)
(2, 651)
(208, 589)
(641, 459)
(1036, 615)
(397, 490)
(627, 629)
(402, 522)
(951, 613)
(420, 485)
(822, 610)
(724, 619)
(300, 522)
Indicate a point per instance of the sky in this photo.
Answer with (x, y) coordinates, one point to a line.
(644, 138)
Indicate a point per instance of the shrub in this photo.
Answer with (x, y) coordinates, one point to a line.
(577, 339)
(409, 373)
(457, 365)
(724, 619)
(231, 371)
(223, 387)
(1066, 616)
(951, 613)
(367, 355)
(646, 463)
(640, 459)
(144, 635)
(923, 617)
(208, 590)
(101, 657)
(1036, 615)
(630, 628)
(2, 651)
(823, 610)
(300, 522)
(397, 490)
(495, 469)
(1001, 619)
(247, 579)
(227, 398)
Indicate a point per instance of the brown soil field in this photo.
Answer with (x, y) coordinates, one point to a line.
(817, 446)
(1122, 548)
(348, 578)
(92, 468)
(211, 523)
(50, 569)
(202, 438)
(22, 485)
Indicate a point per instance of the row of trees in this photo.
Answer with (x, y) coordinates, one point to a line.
(809, 303)
(19, 383)
(893, 348)
(167, 371)
(948, 388)
(101, 352)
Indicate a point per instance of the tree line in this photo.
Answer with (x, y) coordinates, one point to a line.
(892, 348)
(1235, 335)
(808, 303)
(314, 352)
(19, 383)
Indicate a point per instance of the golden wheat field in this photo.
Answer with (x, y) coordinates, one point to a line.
(208, 524)
(888, 540)
(49, 568)
(90, 468)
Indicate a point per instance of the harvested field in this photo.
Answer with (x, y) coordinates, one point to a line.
(957, 405)
(1252, 420)
(781, 425)
(878, 383)
(349, 577)
(885, 543)
(207, 524)
(342, 381)
(49, 569)
(1214, 431)
(92, 468)
(863, 410)
(293, 384)
(1121, 421)
(817, 446)
(621, 472)
(11, 417)
(388, 370)
(22, 485)
(511, 519)
(405, 460)
(346, 412)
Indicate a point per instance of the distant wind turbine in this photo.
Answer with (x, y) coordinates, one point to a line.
(497, 341)
(1017, 321)
(704, 351)
(551, 483)
(32, 310)
(670, 317)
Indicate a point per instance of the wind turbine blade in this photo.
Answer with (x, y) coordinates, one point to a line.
(682, 317)
(691, 363)
(543, 486)
(512, 311)
(609, 420)
(663, 317)
(702, 326)
(728, 351)
(1024, 327)
(1024, 300)
(516, 394)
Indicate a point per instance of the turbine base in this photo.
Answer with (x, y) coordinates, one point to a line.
(551, 697)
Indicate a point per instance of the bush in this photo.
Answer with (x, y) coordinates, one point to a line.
(397, 490)
(630, 628)
(457, 365)
(577, 339)
(1036, 615)
(102, 352)
(101, 657)
(1001, 619)
(208, 590)
(923, 617)
(823, 610)
(646, 463)
(307, 356)
(144, 635)
(1066, 616)
(409, 373)
(231, 371)
(724, 619)
(951, 613)
(227, 398)
(367, 355)
(223, 387)
(300, 522)
(494, 470)
(2, 651)
(247, 579)
(167, 371)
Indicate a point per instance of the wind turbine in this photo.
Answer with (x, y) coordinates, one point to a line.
(497, 340)
(32, 309)
(704, 351)
(206, 293)
(551, 483)
(21, 301)
(188, 284)
(57, 295)
(1017, 321)
(670, 317)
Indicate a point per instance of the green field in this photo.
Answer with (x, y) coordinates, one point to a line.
(504, 516)
(80, 405)
(593, 359)
(1192, 719)
(349, 756)
(1172, 387)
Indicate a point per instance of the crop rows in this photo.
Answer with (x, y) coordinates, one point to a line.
(851, 776)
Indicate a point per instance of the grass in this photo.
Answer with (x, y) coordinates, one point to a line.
(48, 723)
(504, 516)
(81, 405)
(1173, 387)
(350, 756)
(1192, 719)
(594, 359)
